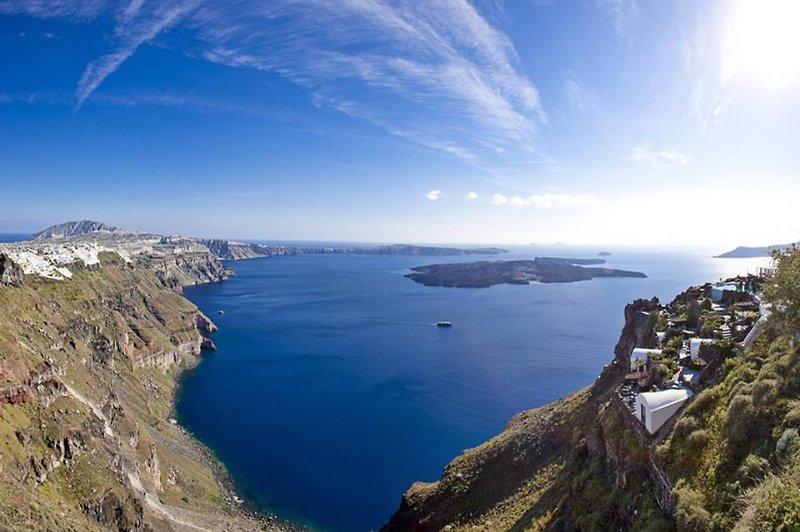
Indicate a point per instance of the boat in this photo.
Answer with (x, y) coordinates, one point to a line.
(444, 323)
(220, 312)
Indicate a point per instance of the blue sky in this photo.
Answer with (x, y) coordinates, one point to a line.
(607, 122)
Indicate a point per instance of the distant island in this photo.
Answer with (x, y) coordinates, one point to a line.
(115, 239)
(406, 249)
(483, 274)
(604, 254)
(743, 252)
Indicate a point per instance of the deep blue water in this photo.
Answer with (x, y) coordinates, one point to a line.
(13, 237)
(331, 390)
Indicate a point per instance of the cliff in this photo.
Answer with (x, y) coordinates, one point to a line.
(88, 369)
(10, 272)
(561, 466)
(230, 250)
(730, 460)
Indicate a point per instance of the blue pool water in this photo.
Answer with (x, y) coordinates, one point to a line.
(332, 390)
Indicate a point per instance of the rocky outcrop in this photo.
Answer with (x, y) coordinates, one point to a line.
(639, 328)
(638, 331)
(204, 324)
(177, 271)
(232, 250)
(115, 514)
(10, 272)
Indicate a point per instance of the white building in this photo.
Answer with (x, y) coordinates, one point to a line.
(694, 347)
(655, 408)
(640, 358)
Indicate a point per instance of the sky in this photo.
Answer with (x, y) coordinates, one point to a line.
(617, 122)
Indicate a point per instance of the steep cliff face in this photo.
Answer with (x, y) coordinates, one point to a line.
(10, 273)
(175, 271)
(87, 374)
(578, 463)
(230, 250)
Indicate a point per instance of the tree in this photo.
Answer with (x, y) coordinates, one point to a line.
(783, 290)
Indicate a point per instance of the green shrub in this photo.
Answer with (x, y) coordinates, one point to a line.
(689, 511)
(685, 426)
(697, 441)
(773, 505)
(703, 403)
(787, 446)
(753, 469)
(792, 417)
(739, 418)
(765, 393)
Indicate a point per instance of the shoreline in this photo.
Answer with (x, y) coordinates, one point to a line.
(247, 508)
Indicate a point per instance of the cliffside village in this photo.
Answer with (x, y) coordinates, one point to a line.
(694, 334)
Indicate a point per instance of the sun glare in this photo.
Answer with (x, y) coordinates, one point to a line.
(763, 42)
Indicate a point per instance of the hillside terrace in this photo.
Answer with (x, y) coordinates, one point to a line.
(694, 333)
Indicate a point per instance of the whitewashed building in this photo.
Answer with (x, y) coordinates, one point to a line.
(694, 348)
(655, 408)
(640, 358)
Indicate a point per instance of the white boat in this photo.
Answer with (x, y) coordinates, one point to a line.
(444, 323)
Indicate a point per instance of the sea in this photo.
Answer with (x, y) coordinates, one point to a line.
(332, 390)
(12, 237)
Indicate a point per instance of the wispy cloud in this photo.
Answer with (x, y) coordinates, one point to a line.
(434, 195)
(624, 15)
(649, 156)
(359, 55)
(579, 97)
(438, 74)
(131, 36)
(547, 201)
(73, 9)
(471, 196)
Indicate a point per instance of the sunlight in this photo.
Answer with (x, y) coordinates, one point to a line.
(762, 42)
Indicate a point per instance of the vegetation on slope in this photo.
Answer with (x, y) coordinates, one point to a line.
(87, 374)
(735, 452)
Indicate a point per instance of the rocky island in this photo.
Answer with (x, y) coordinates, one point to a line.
(483, 274)
(744, 252)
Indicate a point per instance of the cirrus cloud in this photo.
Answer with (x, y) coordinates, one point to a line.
(438, 74)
